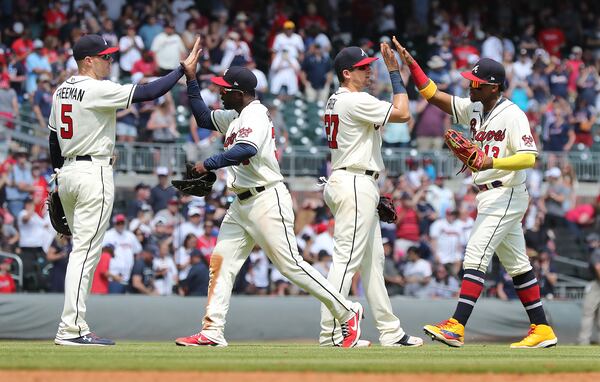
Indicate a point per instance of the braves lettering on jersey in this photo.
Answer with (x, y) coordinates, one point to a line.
(83, 115)
(252, 126)
(503, 132)
(352, 124)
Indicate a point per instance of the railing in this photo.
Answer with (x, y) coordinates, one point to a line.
(18, 277)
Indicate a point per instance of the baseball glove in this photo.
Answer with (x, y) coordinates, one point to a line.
(386, 210)
(465, 150)
(57, 214)
(195, 183)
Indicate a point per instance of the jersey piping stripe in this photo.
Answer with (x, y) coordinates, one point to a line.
(296, 260)
(247, 142)
(130, 98)
(351, 251)
(387, 116)
(455, 116)
(50, 127)
(512, 191)
(88, 251)
(214, 122)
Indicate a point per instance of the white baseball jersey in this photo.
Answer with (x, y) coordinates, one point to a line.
(254, 127)
(449, 237)
(83, 115)
(352, 124)
(503, 132)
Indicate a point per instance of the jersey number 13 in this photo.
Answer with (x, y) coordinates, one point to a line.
(66, 127)
(331, 129)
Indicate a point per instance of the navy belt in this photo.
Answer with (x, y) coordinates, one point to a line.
(372, 173)
(246, 194)
(88, 158)
(489, 186)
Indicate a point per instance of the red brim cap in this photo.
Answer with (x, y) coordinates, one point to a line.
(221, 82)
(471, 77)
(365, 61)
(110, 50)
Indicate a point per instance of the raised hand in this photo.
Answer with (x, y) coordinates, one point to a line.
(388, 57)
(191, 62)
(404, 55)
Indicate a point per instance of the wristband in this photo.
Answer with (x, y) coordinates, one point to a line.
(418, 75)
(429, 90)
(397, 85)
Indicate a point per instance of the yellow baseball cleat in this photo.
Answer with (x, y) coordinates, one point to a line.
(450, 332)
(539, 336)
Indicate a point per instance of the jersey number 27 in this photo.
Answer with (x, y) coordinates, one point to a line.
(331, 129)
(66, 127)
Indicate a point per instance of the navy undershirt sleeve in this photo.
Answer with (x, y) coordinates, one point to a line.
(232, 157)
(157, 88)
(199, 109)
(55, 152)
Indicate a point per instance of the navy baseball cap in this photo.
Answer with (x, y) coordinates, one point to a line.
(488, 71)
(92, 45)
(351, 57)
(237, 77)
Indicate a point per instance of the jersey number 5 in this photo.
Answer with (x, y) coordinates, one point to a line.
(331, 129)
(66, 128)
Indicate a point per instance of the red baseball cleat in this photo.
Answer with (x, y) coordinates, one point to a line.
(351, 328)
(197, 339)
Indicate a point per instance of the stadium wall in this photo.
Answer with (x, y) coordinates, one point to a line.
(260, 318)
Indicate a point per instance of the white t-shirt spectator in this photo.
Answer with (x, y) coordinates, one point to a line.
(323, 242)
(168, 50)
(292, 43)
(185, 228)
(284, 72)
(420, 268)
(126, 247)
(259, 272)
(448, 237)
(492, 48)
(182, 256)
(128, 58)
(33, 233)
(164, 285)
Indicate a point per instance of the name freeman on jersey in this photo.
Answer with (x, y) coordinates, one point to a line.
(70, 93)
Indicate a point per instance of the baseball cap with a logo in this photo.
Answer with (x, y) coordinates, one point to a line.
(237, 77)
(488, 71)
(351, 57)
(92, 45)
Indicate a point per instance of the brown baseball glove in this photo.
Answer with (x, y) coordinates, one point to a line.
(57, 214)
(469, 153)
(386, 210)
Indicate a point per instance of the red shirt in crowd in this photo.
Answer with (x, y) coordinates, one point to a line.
(461, 54)
(100, 282)
(22, 46)
(147, 68)
(7, 284)
(582, 214)
(551, 40)
(408, 224)
(54, 20)
(40, 194)
(206, 245)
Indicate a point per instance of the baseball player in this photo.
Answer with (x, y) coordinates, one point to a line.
(82, 138)
(262, 212)
(502, 131)
(353, 120)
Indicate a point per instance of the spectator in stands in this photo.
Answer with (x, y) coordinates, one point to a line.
(165, 271)
(101, 280)
(37, 64)
(9, 106)
(442, 285)
(591, 303)
(126, 246)
(391, 270)
(539, 82)
(20, 183)
(446, 242)
(33, 231)
(7, 284)
(194, 225)
(22, 44)
(430, 126)
(208, 240)
(257, 275)
(163, 191)
(505, 289)
(162, 123)
(558, 78)
(145, 65)
(523, 67)
(188, 36)
(584, 215)
(558, 132)
(142, 197)
(170, 215)
(416, 273)
(149, 30)
(196, 282)
(290, 42)
(58, 256)
(545, 272)
(127, 120)
(236, 52)
(42, 101)
(262, 85)
(183, 255)
(17, 73)
(316, 74)
(142, 275)
(9, 236)
(284, 75)
(554, 199)
(130, 49)
(552, 38)
(168, 49)
(407, 231)
(583, 120)
(440, 196)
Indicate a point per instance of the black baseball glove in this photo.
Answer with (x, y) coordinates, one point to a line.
(386, 210)
(57, 214)
(195, 183)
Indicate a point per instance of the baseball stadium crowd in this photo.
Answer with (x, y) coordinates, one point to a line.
(160, 243)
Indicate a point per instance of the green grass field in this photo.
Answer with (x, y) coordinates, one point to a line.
(32, 355)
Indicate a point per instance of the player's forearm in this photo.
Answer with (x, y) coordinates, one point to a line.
(155, 89)
(237, 154)
(55, 153)
(428, 88)
(200, 111)
(514, 162)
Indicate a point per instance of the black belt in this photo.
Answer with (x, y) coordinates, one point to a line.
(372, 173)
(246, 194)
(489, 186)
(88, 158)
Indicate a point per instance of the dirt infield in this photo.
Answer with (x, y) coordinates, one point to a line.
(159, 376)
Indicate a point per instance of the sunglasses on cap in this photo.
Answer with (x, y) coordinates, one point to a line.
(229, 90)
(477, 84)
